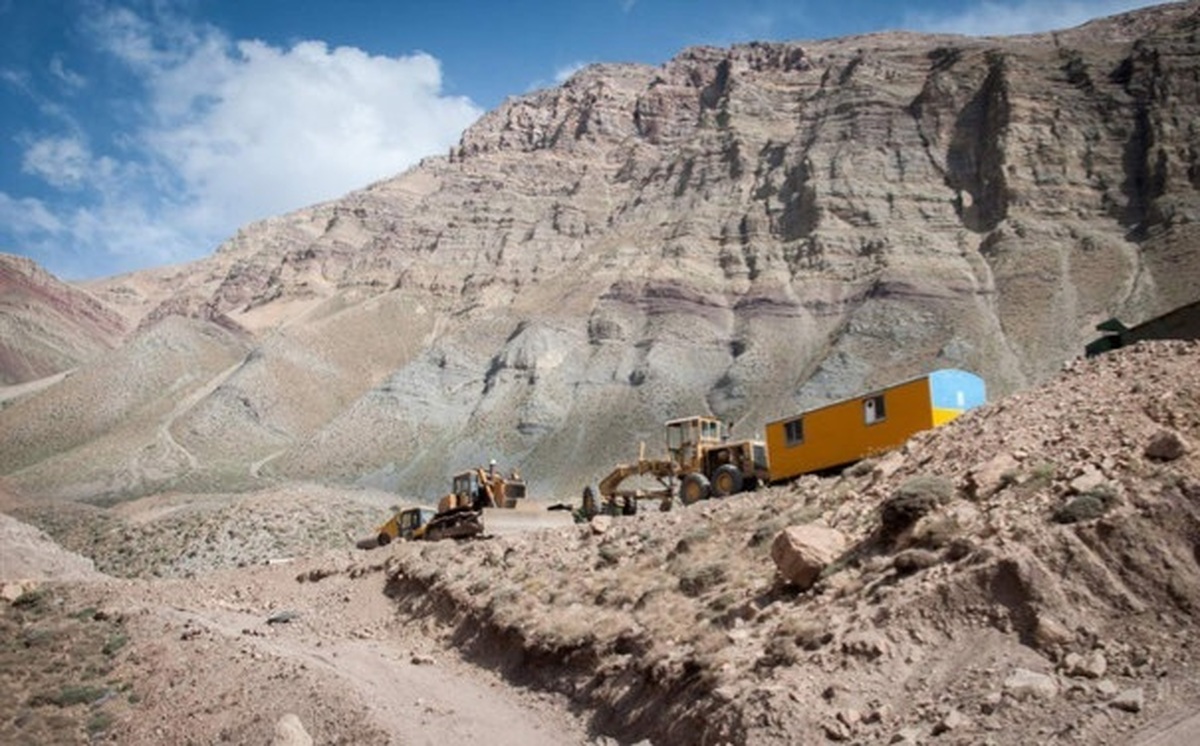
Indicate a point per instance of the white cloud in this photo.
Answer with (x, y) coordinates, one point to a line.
(228, 132)
(69, 77)
(28, 215)
(1022, 17)
(262, 130)
(63, 162)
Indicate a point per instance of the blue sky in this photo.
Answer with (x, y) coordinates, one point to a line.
(136, 133)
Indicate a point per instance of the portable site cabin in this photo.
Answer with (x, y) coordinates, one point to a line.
(846, 431)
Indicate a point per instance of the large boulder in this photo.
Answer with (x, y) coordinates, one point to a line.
(801, 553)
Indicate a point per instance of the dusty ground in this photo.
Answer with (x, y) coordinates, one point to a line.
(1029, 573)
(222, 657)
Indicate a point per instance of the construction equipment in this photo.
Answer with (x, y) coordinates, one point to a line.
(702, 461)
(479, 498)
(425, 523)
(705, 462)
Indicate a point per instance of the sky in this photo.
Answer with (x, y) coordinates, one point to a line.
(137, 133)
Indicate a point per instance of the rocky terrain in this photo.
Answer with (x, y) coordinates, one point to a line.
(744, 232)
(1026, 573)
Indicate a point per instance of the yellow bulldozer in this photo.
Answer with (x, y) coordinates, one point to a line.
(701, 461)
(480, 499)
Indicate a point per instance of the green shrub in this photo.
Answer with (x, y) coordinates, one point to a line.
(114, 643)
(99, 722)
(934, 487)
(30, 599)
(68, 696)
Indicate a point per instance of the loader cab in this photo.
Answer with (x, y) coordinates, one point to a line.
(466, 486)
(688, 438)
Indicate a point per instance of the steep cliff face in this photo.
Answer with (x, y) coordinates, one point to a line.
(743, 231)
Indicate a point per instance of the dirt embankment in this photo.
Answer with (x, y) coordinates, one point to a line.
(1027, 573)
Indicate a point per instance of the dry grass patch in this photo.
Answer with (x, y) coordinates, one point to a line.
(59, 659)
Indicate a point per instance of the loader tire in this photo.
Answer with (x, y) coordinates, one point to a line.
(693, 488)
(384, 539)
(727, 480)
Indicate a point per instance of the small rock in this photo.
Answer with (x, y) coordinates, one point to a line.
(601, 524)
(835, 730)
(849, 716)
(954, 720)
(906, 736)
(12, 591)
(991, 703)
(1130, 700)
(1023, 684)
(1091, 479)
(1106, 687)
(1050, 633)
(1166, 445)
(988, 478)
(880, 714)
(866, 644)
(419, 659)
(289, 731)
(1090, 666)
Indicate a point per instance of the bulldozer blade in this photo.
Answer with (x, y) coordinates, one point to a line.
(523, 518)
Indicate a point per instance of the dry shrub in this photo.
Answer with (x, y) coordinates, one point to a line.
(695, 580)
(794, 635)
(1088, 506)
(937, 532)
(913, 500)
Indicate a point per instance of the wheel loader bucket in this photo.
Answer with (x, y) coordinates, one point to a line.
(522, 518)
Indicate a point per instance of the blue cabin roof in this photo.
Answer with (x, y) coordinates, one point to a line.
(950, 388)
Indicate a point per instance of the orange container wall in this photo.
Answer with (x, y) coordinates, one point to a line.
(838, 433)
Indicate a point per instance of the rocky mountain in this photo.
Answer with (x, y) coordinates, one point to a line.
(744, 232)
(48, 326)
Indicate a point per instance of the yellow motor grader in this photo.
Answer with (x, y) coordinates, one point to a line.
(702, 462)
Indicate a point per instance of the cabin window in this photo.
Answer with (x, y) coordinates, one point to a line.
(873, 410)
(793, 431)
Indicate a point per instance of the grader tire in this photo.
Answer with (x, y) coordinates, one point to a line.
(693, 488)
(727, 480)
